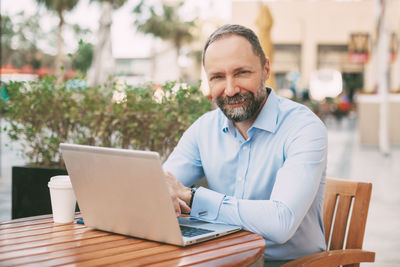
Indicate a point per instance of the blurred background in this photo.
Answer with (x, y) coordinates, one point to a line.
(338, 57)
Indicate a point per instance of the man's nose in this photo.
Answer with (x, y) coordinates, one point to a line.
(231, 88)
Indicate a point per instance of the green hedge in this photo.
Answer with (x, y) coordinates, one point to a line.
(43, 114)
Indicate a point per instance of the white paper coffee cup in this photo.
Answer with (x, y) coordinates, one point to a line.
(63, 199)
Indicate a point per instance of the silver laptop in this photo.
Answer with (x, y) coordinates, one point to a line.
(125, 192)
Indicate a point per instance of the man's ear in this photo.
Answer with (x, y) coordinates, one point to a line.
(266, 68)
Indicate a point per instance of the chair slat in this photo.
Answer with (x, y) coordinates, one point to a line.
(340, 224)
(329, 209)
(359, 217)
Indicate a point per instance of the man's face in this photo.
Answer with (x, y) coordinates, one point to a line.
(236, 77)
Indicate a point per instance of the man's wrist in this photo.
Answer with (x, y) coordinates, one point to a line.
(193, 191)
(186, 195)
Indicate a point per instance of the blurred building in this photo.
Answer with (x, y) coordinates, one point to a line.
(158, 64)
(134, 70)
(325, 34)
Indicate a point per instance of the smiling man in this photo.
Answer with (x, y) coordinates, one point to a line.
(264, 157)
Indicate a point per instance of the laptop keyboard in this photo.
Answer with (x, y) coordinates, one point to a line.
(188, 231)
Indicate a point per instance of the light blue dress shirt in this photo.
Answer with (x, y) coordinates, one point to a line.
(271, 184)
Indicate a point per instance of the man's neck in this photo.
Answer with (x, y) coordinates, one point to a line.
(244, 126)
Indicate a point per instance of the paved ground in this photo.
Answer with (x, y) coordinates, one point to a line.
(346, 159)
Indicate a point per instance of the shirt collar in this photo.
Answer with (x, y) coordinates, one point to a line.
(227, 125)
(266, 119)
(268, 116)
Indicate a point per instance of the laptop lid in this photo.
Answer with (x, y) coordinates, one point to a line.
(124, 191)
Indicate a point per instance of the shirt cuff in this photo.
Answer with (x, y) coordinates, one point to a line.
(206, 204)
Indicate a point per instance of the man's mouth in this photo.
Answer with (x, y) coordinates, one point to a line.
(236, 104)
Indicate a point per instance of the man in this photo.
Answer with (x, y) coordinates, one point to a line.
(264, 157)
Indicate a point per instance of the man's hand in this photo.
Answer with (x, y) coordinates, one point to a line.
(180, 194)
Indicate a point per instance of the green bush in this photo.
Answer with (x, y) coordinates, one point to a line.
(43, 114)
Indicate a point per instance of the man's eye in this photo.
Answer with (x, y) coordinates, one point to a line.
(242, 72)
(216, 77)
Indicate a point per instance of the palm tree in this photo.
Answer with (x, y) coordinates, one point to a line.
(103, 63)
(20, 35)
(59, 6)
(167, 25)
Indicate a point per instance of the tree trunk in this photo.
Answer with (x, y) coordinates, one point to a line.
(103, 65)
(383, 61)
(178, 67)
(60, 42)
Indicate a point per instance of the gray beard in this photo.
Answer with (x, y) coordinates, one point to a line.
(247, 110)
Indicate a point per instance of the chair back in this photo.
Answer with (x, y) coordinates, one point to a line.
(345, 213)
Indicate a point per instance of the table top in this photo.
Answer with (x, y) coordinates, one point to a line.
(38, 241)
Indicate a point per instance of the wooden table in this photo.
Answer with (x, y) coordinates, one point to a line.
(37, 241)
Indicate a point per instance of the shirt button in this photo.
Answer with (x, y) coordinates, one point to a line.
(245, 148)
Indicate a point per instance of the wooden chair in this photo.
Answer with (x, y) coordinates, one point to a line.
(345, 215)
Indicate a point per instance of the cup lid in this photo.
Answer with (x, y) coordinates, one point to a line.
(60, 181)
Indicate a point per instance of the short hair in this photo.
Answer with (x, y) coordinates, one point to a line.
(239, 30)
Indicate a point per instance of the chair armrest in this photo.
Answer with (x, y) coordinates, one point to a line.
(333, 258)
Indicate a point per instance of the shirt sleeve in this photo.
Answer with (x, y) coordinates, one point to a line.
(295, 188)
(184, 162)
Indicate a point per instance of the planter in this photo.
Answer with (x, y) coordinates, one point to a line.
(368, 110)
(30, 193)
